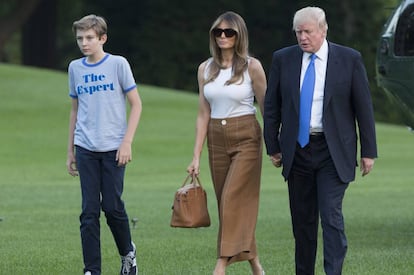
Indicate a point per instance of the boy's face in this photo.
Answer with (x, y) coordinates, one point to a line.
(89, 43)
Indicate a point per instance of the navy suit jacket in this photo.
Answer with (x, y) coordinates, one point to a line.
(347, 104)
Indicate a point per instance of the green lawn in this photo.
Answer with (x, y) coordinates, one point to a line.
(40, 202)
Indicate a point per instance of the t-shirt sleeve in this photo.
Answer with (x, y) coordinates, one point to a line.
(125, 76)
(72, 89)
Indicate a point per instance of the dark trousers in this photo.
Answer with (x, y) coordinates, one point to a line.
(102, 182)
(316, 190)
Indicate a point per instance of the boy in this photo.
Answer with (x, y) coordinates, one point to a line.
(99, 143)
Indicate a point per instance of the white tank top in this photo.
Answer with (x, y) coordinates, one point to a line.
(232, 100)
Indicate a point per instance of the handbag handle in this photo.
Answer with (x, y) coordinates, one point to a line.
(194, 179)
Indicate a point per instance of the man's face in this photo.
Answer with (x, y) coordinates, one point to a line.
(88, 41)
(309, 36)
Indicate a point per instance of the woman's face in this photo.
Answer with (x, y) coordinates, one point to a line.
(225, 36)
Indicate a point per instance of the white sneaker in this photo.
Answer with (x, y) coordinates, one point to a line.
(129, 263)
(88, 273)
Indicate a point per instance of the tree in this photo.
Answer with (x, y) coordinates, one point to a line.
(165, 40)
(13, 15)
(39, 36)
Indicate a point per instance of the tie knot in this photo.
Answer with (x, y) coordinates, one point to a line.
(313, 57)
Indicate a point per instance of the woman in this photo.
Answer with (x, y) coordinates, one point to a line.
(228, 83)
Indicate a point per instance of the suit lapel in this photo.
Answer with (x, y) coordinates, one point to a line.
(332, 68)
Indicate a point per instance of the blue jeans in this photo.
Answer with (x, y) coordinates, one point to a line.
(102, 183)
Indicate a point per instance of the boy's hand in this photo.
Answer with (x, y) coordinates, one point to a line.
(124, 155)
(71, 165)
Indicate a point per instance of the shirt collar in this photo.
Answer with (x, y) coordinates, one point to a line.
(322, 54)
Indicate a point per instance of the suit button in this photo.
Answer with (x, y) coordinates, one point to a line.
(223, 122)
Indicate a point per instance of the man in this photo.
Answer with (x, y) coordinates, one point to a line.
(316, 141)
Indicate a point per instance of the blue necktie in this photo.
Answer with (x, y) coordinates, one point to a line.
(306, 98)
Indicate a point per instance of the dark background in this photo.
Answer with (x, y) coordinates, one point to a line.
(165, 40)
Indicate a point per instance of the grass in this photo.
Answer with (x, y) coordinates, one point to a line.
(40, 202)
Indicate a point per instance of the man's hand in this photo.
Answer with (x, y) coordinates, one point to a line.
(366, 165)
(276, 159)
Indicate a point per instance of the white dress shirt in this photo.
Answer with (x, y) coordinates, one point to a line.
(318, 94)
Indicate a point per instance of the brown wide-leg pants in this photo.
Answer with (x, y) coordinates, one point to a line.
(235, 156)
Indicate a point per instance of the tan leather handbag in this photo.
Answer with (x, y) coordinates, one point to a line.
(190, 209)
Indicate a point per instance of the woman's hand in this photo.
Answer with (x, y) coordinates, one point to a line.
(194, 167)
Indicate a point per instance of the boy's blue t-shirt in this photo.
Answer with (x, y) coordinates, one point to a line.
(101, 92)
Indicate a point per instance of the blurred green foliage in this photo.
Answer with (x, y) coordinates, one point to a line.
(166, 40)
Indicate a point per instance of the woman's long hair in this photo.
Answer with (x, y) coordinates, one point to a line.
(241, 47)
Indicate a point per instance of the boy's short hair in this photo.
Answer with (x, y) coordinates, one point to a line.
(92, 21)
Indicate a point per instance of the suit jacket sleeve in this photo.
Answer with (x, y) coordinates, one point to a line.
(364, 112)
(272, 110)
(347, 105)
